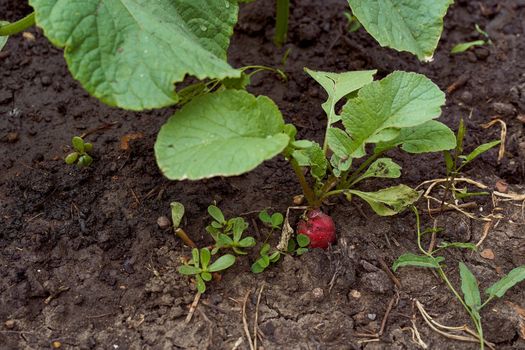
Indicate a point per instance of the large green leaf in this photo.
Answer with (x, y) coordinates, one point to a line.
(405, 25)
(469, 287)
(431, 136)
(130, 53)
(220, 134)
(313, 157)
(409, 259)
(508, 281)
(389, 201)
(338, 85)
(401, 100)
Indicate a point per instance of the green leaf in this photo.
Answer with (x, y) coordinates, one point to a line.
(462, 47)
(201, 286)
(291, 245)
(265, 217)
(195, 257)
(130, 53)
(3, 39)
(314, 158)
(225, 241)
(277, 219)
(303, 144)
(469, 287)
(389, 201)
(338, 85)
(460, 245)
(401, 100)
(239, 83)
(88, 147)
(206, 276)
(247, 242)
(462, 131)
(405, 25)
(339, 142)
(382, 168)
(409, 259)
(478, 151)
(264, 249)
(177, 212)
(220, 134)
(189, 270)
(303, 240)
(71, 158)
(301, 251)
(78, 144)
(239, 225)
(264, 261)
(431, 136)
(449, 162)
(340, 164)
(205, 258)
(256, 267)
(222, 263)
(85, 160)
(217, 214)
(275, 257)
(514, 277)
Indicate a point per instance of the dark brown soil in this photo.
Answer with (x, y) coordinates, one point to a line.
(83, 262)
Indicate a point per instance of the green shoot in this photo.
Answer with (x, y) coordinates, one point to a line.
(80, 155)
(298, 246)
(281, 22)
(266, 258)
(199, 266)
(227, 234)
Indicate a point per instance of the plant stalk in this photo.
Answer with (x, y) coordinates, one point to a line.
(281, 23)
(307, 190)
(18, 26)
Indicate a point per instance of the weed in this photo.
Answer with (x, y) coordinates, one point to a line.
(80, 155)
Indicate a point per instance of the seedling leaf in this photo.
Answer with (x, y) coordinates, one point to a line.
(247, 242)
(222, 263)
(256, 267)
(405, 25)
(177, 212)
(462, 47)
(71, 158)
(409, 259)
(264, 249)
(431, 136)
(389, 201)
(220, 134)
(382, 168)
(206, 276)
(275, 256)
(301, 251)
(265, 217)
(469, 287)
(129, 53)
(205, 258)
(3, 39)
(201, 286)
(78, 144)
(216, 213)
(277, 219)
(303, 240)
(195, 257)
(510, 280)
(338, 85)
(478, 151)
(189, 270)
(401, 100)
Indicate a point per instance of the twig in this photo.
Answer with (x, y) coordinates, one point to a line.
(433, 237)
(486, 229)
(56, 294)
(256, 322)
(389, 272)
(245, 321)
(387, 313)
(193, 307)
(98, 128)
(187, 240)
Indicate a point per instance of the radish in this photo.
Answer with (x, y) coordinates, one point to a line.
(319, 227)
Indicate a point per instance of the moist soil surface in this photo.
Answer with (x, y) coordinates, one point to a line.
(84, 264)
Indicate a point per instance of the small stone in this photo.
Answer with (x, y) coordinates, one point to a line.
(504, 109)
(46, 80)
(318, 293)
(355, 294)
(466, 96)
(298, 200)
(9, 324)
(371, 316)
(502, 186)
(56, 344)
(487, 254)
(163, 222)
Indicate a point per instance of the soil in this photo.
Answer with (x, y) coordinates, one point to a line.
(84, 263)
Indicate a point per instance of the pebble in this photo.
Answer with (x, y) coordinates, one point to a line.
(504, 109)
(318, 293)
(466, 96)
(46, 80)
(355, 294)
(371, 316)
(163, 222)
(9, 324)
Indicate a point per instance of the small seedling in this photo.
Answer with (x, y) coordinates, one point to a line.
(462, 47)
(266, 258)
(299, 245)
(353, 23)
(227, 234)
(471, 299)
(200, 267)
(80, 155)
(273, 221)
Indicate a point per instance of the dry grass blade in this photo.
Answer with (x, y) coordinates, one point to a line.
(287, 230)
(503, 135)
(245, 320)
(256, 322)
(193, 307)
(443, 330)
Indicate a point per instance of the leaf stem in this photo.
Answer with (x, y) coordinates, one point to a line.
(307, 190)
(18, 26)
(281, 24)
(347, 183)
